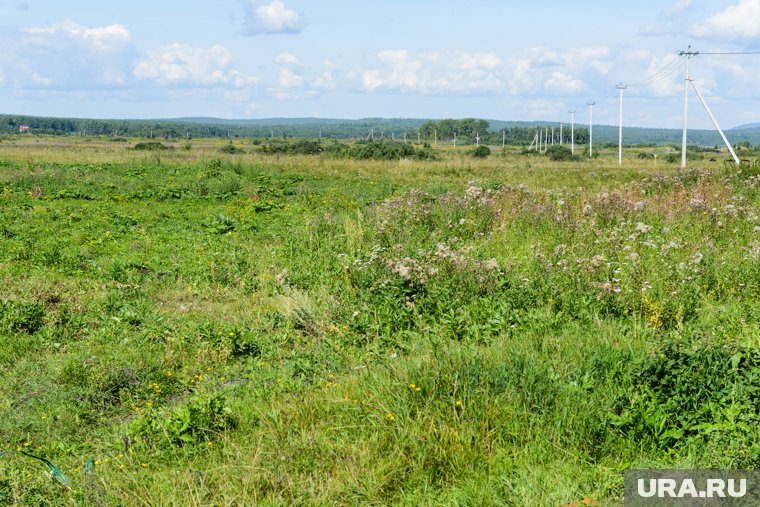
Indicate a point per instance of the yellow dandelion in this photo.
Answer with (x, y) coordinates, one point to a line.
(144, 465)
(418, 389)
(459, 403)
(412, 386)
(344, 328)
(232, 334)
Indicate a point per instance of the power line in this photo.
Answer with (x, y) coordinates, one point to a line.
(666, 71)
(729, 53)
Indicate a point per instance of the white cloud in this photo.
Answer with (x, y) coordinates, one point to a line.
(271, 18)
(289, 85)
(41, 80)
(740, 21)
(288, 59)
(324, 82)
(563, 84)
(560, 72)
(289, 79)
(669, 21)
(680, 7)
(433, 73)
(180, 64)
(104, 38)
(67, 56)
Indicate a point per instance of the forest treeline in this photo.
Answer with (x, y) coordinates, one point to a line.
(465, 131)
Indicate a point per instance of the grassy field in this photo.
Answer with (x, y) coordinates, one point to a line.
(188, 327)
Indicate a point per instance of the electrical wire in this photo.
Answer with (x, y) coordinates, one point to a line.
(718, 53)
(661, 74)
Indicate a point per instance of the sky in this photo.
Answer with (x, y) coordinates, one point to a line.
(351, 59)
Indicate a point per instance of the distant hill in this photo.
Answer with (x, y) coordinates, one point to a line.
(398, 128)
(747, 126)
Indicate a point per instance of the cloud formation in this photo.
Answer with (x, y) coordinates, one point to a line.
(66, 56)
(104, 38)
(180, 64)
(271, 18)
(737, 22)
(457, 71)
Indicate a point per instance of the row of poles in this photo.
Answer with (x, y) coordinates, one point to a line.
(621, 87)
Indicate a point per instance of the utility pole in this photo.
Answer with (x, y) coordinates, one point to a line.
(590, 105)
(715, 122)
(621, 87)
(477, 138)
(572, 131)
(435, 136)
(560, 133)
(688, 53)
(503, 138)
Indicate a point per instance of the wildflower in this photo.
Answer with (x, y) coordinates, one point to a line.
(390, 417)
(412, 386)
(144, 465)
(459, 403)
(231, 334)
(344, 328)
(643, 228)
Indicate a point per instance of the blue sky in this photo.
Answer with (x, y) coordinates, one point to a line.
(359, 58)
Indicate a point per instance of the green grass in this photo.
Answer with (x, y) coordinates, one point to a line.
(241, 328)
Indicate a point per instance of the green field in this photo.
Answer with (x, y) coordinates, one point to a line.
(206, 328)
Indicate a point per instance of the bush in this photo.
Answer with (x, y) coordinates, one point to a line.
(151, 146)
(298, 147)
(197, 420)
(560, 153)
(481, 151)
(21, 317)
(387, 150)
(231, 149)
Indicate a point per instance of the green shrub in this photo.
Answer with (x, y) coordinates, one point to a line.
(693, 396)
(21, 317)
(481, 151)
(231, 149)
(200, 419)
(560, 153)
(152, 146)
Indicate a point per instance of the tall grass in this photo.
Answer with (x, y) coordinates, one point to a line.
(220, 329)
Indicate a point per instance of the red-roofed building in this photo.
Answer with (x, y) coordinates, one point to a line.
(23, 128)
